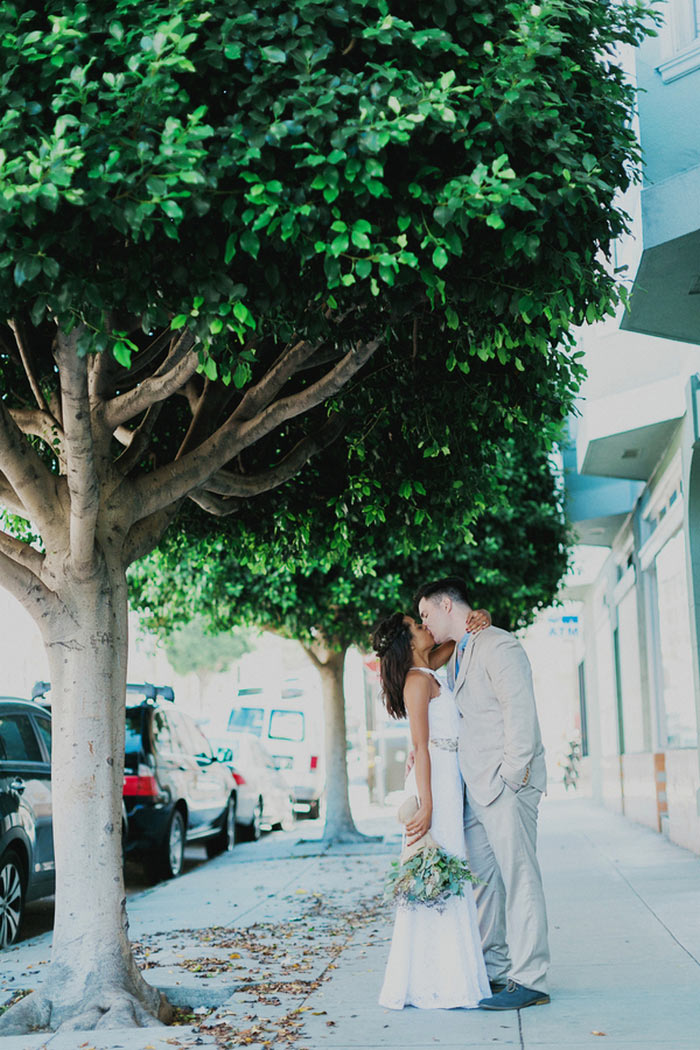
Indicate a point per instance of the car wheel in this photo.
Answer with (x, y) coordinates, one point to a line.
(11, 897)
(225, 839)
(168, 859)
(251, 832)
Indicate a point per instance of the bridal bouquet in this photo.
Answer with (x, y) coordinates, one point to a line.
(430, 876)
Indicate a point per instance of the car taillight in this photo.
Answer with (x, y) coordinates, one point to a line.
(239, 778)
(141, 783)
(314, 762)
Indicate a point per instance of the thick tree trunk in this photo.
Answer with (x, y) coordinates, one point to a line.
(96, 514)
(93, 980)
(340, 826)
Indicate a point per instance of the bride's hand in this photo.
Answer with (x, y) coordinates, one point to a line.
(419, 825)
(477, 620)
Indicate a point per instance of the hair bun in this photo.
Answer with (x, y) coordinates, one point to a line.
(387, 633)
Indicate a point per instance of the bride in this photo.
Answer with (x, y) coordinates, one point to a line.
(435, 960)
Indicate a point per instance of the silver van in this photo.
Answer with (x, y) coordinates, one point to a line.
(290, 724)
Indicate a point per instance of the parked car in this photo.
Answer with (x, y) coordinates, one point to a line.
(263, 798)
(290, 724)
(175, 789)
(27, 869)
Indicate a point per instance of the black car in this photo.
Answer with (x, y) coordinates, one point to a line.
(26, 830)
(175, 789)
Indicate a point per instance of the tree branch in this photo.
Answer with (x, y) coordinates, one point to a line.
(217, 506)
(167, 340)
(28, 363)
(319, 664)
(259, 396)
(179, 479)
(26, 587)
(41, 424)
(139, 441)
(205, 405)
(226, 483)
(33, 485)
(107, 375)
(212, 399)
(9, 498)
(147, 533)
(21, 552)
(323, 356)
(320, 652)
(180, 364)
(81, 468)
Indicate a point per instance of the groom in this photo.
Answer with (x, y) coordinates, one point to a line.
(502, 762)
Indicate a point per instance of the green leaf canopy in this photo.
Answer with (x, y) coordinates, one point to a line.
(309, 586)
(226, 167)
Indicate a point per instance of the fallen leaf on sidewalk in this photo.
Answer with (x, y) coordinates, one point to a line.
(595, 1032)
(274, 956)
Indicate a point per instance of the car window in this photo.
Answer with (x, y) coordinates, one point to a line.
(163, 736)
(133, 730)
(250, 718)
(18, 742)
(190, 739)
(199, 741)
(44, 727)
(287, 725)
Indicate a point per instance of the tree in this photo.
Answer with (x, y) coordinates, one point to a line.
(212, 220)
(192, 649)
(513, 563)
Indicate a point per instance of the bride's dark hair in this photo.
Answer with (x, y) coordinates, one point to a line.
(391, 641)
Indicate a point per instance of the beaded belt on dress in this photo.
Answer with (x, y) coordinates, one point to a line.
(445, 743)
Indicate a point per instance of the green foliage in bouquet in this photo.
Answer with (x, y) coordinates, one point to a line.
(428, 877)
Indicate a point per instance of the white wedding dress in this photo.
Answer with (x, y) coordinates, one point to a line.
(435, 961)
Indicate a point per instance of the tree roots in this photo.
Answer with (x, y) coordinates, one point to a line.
(108, 1008)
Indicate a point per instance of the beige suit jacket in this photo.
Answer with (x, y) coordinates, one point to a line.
(499, 739)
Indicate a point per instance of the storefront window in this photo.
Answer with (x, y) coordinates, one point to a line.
(630, 678)
(674, 633)
(607, 699)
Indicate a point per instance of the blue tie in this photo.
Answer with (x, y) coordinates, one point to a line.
(461, 646)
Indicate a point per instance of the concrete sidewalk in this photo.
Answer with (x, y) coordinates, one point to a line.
(279, 943)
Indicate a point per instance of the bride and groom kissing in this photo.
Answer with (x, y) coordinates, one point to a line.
(477, 770)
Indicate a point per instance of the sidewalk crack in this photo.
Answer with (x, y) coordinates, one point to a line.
(520, 1030)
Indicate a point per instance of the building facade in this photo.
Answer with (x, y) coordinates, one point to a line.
(633, 473)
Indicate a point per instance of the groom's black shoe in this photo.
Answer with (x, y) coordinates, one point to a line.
(514, 997)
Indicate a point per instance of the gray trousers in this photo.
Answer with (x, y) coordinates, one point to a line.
(501, 843)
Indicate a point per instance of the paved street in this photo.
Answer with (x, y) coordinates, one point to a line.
(279, 944)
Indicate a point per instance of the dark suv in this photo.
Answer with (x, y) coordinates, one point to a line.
(26, 830)
(175, 789)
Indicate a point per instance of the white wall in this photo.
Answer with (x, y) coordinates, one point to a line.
(22, 655)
